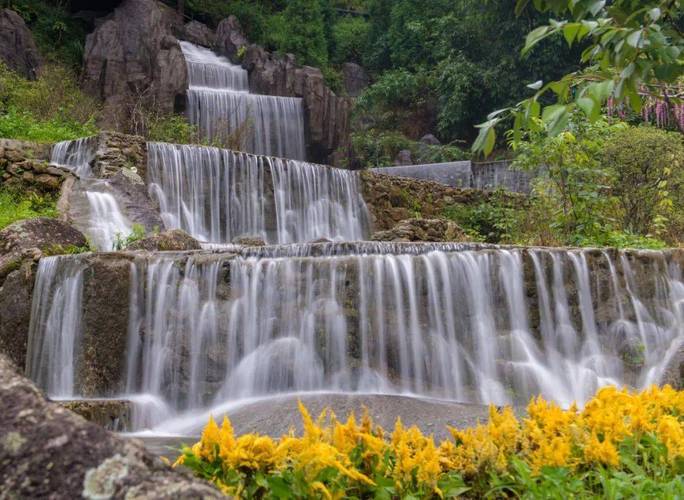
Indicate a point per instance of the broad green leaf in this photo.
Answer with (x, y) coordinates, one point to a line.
(654, 14)
(570, 32)
(536, 85)
(634, 39)
(556, 118)
(589, 107)
(534, 36)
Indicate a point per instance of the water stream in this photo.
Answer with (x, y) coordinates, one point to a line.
(220, 104)
(479, 325)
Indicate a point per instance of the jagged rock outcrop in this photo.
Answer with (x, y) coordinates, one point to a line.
(199, 34)
(46, 451)
(17, 48)
(354, 78)
(22, 244)
(172, 240)
(422, 230)
(230, 38)
(133, 59)
(326, 115)
(112, 414)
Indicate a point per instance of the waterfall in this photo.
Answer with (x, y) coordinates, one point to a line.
(461, 322)
(55, 326)
(75, 155)
(217, 195)
(107, 224)
(220, 104)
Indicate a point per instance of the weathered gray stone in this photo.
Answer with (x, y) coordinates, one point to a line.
(230, 38)
(199, 34)
(112, 414)
(354, 78)
(15, 312)
(430, 140)
(403, 158)
(28, 239)
(249, 241)
(17, 48)
(46, 451)
(172, 240)
(132, 58)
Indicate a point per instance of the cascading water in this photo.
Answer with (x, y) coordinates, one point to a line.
(481, 325)
(75, 155)
(220, 104)
(217, 195)
(55, 326)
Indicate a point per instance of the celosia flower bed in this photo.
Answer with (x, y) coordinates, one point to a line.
(621, 445)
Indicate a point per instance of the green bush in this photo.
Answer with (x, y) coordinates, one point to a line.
(16, 205)
(349, 38)
(649, 179)
(60, 36)
(49, 109)
(171, 128)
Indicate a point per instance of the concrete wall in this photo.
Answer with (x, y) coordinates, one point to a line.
(486, 176)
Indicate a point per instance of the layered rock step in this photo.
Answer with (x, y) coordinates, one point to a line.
(202, 330)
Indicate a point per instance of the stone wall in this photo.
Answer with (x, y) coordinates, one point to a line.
(24, 165)
(391, 199)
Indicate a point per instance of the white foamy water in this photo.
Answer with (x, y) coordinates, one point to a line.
(217, 195)
(219, 103)
(75, 155)
(485, 326)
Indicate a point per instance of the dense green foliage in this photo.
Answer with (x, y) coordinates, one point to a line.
(603, 184)
(59, 35)
(50, 109)
(632, 52)
(16, 205)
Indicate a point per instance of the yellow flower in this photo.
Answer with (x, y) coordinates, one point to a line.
(601, 451)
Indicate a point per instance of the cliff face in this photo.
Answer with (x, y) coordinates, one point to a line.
(133, 59)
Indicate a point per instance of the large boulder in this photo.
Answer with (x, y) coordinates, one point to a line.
(230, 38)
(22, 244)
(46, 451)
(172, 240)
(199, 34)
(17, 48)
(133, 59)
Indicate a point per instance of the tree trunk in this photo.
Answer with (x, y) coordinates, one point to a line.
(181, 7)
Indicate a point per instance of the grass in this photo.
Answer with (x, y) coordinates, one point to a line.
(15, 206)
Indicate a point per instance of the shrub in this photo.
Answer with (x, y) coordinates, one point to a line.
(49, 109)
(649, 179)
(349, 39)
(621, 444)
(17, 205)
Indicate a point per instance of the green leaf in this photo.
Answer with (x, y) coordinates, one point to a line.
(590, 107)
(485, 139)
(556, 118)
(654, 14)
(570, 32)
(534, 36)
(634, 39)
(536, 85)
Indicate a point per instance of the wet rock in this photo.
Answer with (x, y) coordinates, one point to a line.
(249, 241)
(112, 414)
(28, 239)
(230, 38)
(132, 58)
(175, 239)
(422, 230)
(46, 451)
(199, 34)
(327, 116)
(674, 371)
(15, 312)
(403, 158)
(17, 48)
(354, 78)
(101, 363)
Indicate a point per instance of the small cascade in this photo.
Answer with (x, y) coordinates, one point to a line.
(481, 325)
(54, 332)
(220, 104)
(75, 156)
(106, 223)
(217, 195)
